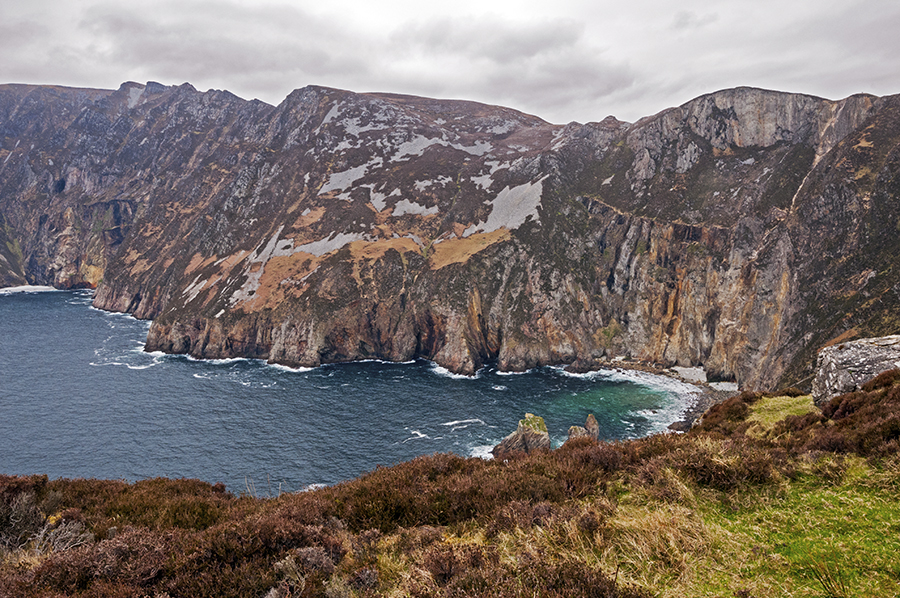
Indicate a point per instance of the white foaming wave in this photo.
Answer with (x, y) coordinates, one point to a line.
(464, 421)
(416, 435)
(482, 452)
(26, 289)
(499, 387)
(686, 394)
(285, 368)
(226, 361)
(500, 373)
(128, 365)
(311, 487)
(442, 371)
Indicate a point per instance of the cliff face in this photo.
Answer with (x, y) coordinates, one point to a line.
(740, 231)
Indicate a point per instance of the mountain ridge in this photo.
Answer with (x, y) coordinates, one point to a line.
(340, 226)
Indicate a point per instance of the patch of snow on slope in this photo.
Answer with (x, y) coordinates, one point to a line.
(134, 94)
(511, 208)
(418, 145)
(378, 199)
(338, 181)
(404, 206)
(258, 258)
(486, 180)
(332, 114)
(333, 242)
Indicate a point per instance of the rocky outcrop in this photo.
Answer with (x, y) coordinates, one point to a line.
(737, 232)
(531, 435)
(590, 429)
(847, 366)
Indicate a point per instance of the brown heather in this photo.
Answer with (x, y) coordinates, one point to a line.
(588, 519)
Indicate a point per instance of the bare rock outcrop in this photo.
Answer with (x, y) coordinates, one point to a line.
(531, 435)
(845, 367)
(590, 429)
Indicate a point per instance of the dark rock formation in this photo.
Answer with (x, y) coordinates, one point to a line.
(738, 231)
(531, 435)
(847, 366)
(591, 429)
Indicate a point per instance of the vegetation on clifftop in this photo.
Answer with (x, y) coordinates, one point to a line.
(748, 504)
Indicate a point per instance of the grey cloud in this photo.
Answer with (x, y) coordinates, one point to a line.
(685, 19)
(536, 67)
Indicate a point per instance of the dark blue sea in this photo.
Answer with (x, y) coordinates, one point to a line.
(80, 398)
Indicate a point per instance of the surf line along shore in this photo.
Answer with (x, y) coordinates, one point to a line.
(707, 393)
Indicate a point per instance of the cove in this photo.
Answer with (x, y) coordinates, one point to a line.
(80, 398)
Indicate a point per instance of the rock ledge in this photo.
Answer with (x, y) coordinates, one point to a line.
(845, 367)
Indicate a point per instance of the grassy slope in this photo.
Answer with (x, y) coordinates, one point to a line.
(748, 505)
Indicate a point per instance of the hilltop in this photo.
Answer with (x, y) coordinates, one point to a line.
(740, 231)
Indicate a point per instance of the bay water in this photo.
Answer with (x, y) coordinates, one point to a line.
(79, 397)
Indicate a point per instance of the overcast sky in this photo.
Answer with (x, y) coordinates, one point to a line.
(562, 60)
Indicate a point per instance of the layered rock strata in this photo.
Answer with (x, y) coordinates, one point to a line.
(847, 366)
(739, 231)
(531, 435)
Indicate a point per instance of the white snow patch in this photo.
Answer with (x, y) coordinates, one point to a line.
(418, 145)
(505, 127)
(511, 208)
(50, 162)
(608, 181)
(333, 242)
(486, 180)
(332, 114)
(338, 181)
(134, 94)
(404, 206)
(422, 185)
(352, 126)
(748, 162)
(194, 289)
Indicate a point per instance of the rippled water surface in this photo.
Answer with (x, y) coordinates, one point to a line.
(80, 398)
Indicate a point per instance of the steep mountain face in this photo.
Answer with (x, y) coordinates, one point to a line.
(740, 231)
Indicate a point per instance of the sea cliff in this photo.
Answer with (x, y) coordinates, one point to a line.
(740, 231)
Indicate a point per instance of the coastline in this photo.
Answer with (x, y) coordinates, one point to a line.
(708, 393)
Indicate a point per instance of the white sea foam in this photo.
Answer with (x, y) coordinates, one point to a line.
(500, 373)
(26, 289)
(442, 371)
(463, 421)
(499, 387)
(416, 435)
(226, 361)
(482, 452)
(285, 368)
(685, 394)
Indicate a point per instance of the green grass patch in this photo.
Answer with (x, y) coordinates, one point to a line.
(812, 534)
(770, 410)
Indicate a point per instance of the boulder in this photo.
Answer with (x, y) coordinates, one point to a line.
(531, 435)
(577, 432)
(847, 366)
(590, 428)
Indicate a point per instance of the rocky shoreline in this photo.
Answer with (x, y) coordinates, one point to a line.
(706, 398)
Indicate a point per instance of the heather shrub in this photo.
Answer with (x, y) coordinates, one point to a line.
(20, 519)
(725, 417)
